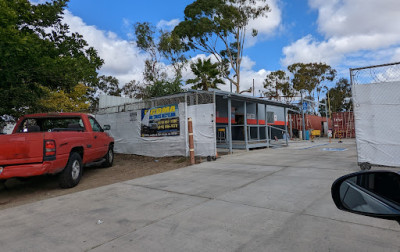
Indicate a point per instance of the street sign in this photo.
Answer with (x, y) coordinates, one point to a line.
(304, 106)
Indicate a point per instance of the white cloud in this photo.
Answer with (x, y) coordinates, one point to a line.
(168, 25)
(247, 63)
(352, 29)
(124, 61)
(266, 26)
(36, 2)
(396, 55)
(121, 58)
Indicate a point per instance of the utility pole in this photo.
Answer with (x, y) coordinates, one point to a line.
(253, 87)
(302, 115)
(329, 104)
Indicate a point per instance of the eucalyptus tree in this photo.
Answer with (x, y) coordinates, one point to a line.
(278, 86)
(311, 77)
(161, 47)
(219, 28)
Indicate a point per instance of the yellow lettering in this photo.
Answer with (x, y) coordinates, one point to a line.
(158, 111)
(165, 110)
(152, 112)
(172, 109)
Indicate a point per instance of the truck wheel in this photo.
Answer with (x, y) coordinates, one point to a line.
(72, 173)
(109, 157)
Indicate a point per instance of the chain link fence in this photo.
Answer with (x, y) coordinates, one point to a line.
(191, 98)
(375, 74)
(375, 91)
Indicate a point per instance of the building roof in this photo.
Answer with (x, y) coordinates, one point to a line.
(241, 97)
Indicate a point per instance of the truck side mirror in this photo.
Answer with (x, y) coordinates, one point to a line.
(371, 193)
(106, 127)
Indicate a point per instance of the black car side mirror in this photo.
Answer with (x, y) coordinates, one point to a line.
(371, 193)
(106, 127)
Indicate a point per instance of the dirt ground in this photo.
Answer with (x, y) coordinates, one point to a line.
(126, 167)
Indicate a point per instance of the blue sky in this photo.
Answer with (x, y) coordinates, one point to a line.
(342, 33)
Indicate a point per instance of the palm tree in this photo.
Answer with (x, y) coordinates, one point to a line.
(207, 75)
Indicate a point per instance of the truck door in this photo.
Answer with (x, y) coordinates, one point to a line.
(100, 140)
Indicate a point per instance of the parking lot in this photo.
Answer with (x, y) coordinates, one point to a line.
(262, 200)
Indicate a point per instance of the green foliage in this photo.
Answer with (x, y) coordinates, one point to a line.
(108, 85)
(61, 101)
(168, 47)
(338, 96)
(310, 77)
(162, 88)
(159, 46)
(37, 50)
(172, 49)
(144, 33)
(207, 75)
(137, 90)
(218, 27)
(132, 89)
(279, 86)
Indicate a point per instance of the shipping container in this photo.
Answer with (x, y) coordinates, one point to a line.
(312, 122)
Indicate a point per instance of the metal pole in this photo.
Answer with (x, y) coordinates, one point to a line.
(326, 114)
(245, 126)
(302, 115)
(266, 126)
(231, 85)
(291, 127)
(286, 132)
(191, 142)
(258, 124)
(253, 87)
(230, 124)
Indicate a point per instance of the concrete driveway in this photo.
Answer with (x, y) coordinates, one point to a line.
(262, 200)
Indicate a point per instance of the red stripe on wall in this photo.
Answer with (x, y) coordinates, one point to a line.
(249, 121)
(224, 120)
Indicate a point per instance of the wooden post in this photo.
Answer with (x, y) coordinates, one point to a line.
(191, 142)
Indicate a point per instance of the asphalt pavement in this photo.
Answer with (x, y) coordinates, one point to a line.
(261, 200)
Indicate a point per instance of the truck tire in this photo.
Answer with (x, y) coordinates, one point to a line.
(109, 157)
(72, 173)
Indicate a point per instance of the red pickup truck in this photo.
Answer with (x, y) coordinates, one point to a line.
(55, 143)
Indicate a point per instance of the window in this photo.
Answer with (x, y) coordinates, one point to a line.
(95, 125)
(42, 124)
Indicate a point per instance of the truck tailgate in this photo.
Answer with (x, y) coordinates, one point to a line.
(21, 148)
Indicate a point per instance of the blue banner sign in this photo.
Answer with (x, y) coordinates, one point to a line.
(160, 121)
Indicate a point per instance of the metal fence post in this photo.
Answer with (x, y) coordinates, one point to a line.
(302, 115)
(245, 126)
(286, 132)
(266, 125)
(230, 124)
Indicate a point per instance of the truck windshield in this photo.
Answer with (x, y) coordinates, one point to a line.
(50, 124)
